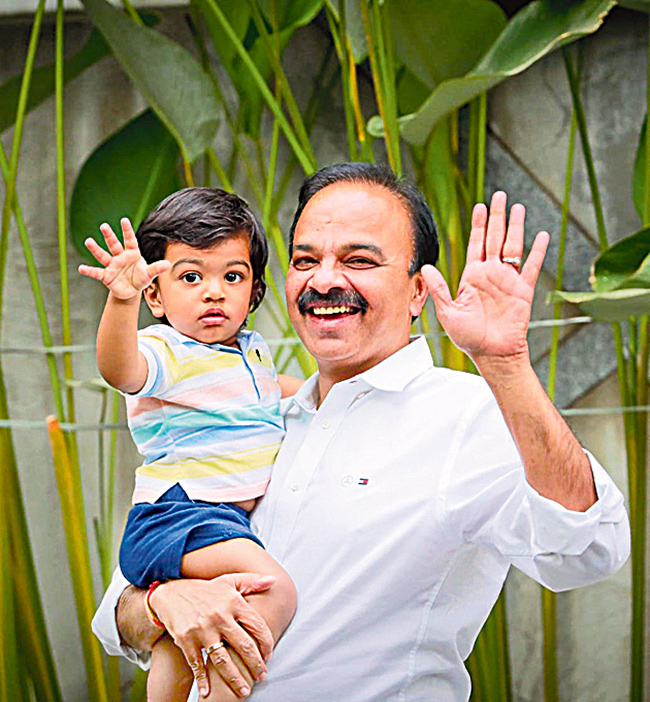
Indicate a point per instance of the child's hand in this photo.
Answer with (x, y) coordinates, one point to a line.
(125, 272)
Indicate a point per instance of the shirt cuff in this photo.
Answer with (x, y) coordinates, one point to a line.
(564, 531)
(104, 624)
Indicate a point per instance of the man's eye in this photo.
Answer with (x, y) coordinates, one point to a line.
(360, 262)
(304, 263)
(233, 277)
(191, 277)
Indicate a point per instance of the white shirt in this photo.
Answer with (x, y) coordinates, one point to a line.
(397, 507)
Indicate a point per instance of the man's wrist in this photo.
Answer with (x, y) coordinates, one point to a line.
(133, 625)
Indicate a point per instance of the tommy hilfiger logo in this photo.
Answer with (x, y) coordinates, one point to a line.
(350, 480)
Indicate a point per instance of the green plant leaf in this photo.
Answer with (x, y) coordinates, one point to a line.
(639, 175)
(626, 264)
(641, 5)
(125, 176)
(291, 16)
(42, 85)
(169, 78)
(611, 306)
(353, 26)
(537, 29)
(448, 38)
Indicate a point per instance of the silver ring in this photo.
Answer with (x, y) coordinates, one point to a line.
(215, 647)
(512, 260)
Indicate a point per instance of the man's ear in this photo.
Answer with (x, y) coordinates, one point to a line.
(419, 296)
(153, 300)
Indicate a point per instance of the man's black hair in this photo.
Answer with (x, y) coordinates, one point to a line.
(202, 218)
(423, 228)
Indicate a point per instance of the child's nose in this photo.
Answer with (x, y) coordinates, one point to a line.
(213, 290)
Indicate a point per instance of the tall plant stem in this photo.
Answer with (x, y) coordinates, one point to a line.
(636, 471)
(15, 145)
(381, 63)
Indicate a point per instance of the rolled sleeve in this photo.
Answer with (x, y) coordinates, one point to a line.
(104, 624)
(578, 548)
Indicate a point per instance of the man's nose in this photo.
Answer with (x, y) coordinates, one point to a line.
(327, 276)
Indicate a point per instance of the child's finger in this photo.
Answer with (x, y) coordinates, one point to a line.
(158, 267)
(130, 242)
(91, 271)
(96, 250)
(113, 243)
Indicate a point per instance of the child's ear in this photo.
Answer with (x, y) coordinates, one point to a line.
(153, 300)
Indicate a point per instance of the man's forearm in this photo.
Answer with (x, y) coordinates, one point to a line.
(135, 627)
(556, 466)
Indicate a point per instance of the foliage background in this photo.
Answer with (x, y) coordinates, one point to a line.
(529, 118)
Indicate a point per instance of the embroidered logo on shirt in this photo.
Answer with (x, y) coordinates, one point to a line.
(363, 481)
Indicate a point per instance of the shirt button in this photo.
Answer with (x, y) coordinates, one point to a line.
(362, 394)
(325, 424)
(295, 486)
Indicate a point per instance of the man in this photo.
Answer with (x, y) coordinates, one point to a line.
(402, 492)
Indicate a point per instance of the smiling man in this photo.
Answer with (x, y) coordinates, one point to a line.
(403, 492)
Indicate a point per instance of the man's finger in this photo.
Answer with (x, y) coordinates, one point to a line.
(533, 265)
(113, 243)
(437, 286)
(513, 247)
(496, 226)
(476, 246)
(252, 652)
(229, 672)
(195, 661)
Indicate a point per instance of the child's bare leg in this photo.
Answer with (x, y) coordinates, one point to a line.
(277, 604)
(170, 677)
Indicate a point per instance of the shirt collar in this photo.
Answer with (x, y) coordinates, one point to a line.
(392, 374)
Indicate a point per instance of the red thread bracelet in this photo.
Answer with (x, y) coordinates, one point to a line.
(150, 613)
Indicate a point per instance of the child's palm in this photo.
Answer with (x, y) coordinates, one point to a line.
(125, 272)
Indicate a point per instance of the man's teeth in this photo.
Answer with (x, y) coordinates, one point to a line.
(331, 310)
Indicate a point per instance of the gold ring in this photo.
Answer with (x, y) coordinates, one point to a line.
(215, 647)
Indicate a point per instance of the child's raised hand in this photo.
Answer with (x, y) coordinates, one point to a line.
(125, 272)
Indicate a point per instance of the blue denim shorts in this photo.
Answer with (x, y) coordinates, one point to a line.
(158, 534)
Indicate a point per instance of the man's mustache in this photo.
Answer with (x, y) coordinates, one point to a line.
(336, 297)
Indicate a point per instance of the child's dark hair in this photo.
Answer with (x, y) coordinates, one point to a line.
(201, 218)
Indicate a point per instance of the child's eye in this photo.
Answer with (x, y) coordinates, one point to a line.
(191, 277)
(233, 277)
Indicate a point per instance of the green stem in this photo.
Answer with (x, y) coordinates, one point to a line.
(15, 145)
(303, 158)
(281, 78)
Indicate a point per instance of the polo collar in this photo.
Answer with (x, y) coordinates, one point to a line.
(392, 374)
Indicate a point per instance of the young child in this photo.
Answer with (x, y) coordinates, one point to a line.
(202, 401)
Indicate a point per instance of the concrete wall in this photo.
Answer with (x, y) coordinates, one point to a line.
(529, 117)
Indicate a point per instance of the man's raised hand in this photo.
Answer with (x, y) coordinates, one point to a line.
(125, 272)
(491, 312)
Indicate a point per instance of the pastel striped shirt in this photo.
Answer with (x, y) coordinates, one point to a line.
(208, 417)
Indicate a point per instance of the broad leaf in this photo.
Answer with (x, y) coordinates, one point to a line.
(169, 78)
(126, 176)
(442, 39)
(353, 26)
(626, 264)
(639, 176)
(608, 306)
(535, 31)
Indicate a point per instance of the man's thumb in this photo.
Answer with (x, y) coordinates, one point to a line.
(437, 284)
(249, 583)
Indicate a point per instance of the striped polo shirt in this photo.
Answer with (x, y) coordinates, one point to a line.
(208, 417)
